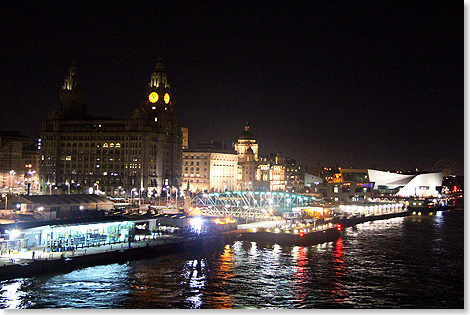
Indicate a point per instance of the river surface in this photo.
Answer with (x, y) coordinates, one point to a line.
(410, 262)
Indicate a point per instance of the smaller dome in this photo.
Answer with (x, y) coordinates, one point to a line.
(250, 151)
(138, 113)
(56, 113)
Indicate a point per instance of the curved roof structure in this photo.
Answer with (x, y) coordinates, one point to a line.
(247, 134)
(424, 185)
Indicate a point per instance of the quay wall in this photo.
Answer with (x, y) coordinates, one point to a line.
(138, 250)
(118, 255)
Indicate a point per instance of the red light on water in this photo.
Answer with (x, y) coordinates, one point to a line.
(338, 227)
(455, 188)
(301, 233)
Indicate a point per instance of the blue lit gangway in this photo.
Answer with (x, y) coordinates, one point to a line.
(251, 205)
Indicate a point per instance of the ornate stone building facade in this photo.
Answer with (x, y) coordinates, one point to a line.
(136, 156)
(209, 168)
(247, 150)
(256, 172)
(19, 158)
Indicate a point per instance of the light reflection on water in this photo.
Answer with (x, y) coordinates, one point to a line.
(412, 262)
(11, 295)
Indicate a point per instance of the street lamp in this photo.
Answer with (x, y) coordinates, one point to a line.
(132, 195)
(168, 193)
(12, 177)
(68, 186)
(176, 196)
(6, 200)
(141, 193)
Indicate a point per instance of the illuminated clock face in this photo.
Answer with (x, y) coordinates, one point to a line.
(153, 97)
(166, 98)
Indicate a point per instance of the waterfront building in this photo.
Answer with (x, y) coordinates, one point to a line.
(185, 137)
(359, 185)
(66, 234)
(51, 207)
(295, 176)
(247, 150)
(271, 173)
(118, 157)
(256, 172)
(453, 184)
(19, 163)
(246, 141)
(329, 174)
(210, 167)
(349, 191)
(312, 180)
(413, 185)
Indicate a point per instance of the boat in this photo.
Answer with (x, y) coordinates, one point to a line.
(427, 205)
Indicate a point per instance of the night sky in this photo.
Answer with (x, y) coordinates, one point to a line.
(360, 84)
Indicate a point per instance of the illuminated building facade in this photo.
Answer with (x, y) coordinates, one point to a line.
(419, 185)
(119, 157)
(295, 176)
(19, 163)
(247, 150)
(209, 168)
(185, 139)
(360, 184)
(271, 173)
(255, 172)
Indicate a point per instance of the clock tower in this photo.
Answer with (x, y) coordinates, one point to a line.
(157, 102)
(71, 98)
(160, 117)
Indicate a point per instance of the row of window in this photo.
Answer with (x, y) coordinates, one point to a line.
(197, 169)
(196, 181)
(86, 153)
(94, 137)
(192, 163)
(233, 158)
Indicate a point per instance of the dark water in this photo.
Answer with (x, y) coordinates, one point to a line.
(412, 262)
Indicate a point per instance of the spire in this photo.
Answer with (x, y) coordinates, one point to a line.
(71, 80)
(71, 97)
(158, 77)
(247, 126)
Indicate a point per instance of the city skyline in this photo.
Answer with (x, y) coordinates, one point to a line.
(378, 86)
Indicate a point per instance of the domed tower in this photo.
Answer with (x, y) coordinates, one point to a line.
(247, 150)
(246, 141)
